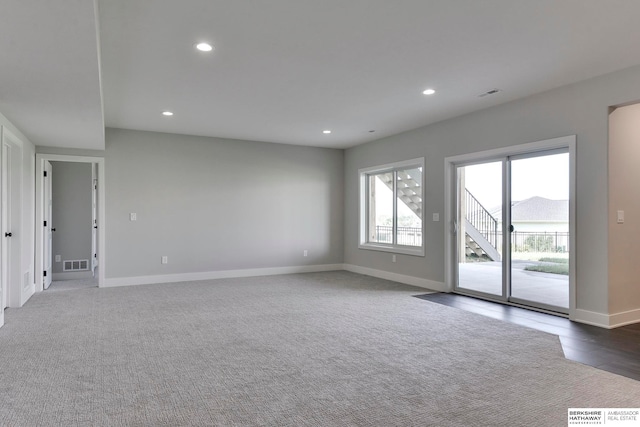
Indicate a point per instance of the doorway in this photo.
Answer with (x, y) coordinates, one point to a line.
(511, 212)
(92, 240)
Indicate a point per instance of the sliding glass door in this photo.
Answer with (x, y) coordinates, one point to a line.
(480, 246)
(540, 229)
(512, 229)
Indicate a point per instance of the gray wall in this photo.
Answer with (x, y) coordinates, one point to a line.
(580, 109)
(214, 204)
(71, 210)
(624, 194)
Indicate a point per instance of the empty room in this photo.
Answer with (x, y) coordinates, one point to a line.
(322, 213)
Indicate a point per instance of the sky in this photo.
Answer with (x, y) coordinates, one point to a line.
(543, 176)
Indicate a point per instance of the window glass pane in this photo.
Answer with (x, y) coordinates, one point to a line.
(409, 205)
(391, 204)
(381, 208)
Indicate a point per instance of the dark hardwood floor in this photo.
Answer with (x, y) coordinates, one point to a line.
(614, 350)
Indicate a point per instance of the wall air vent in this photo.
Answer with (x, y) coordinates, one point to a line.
(489, 92)
(76, 265)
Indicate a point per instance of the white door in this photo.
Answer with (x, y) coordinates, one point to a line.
(14, 286)
(6, 225)
(94, 219)
(48, 217)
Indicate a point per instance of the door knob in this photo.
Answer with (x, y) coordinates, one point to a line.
(8, 234)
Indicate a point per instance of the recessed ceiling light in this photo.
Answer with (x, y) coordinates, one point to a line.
(429, 92)
(326, 131)
(167, 113)
(204, 47)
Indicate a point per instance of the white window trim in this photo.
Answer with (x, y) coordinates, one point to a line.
(363, 209)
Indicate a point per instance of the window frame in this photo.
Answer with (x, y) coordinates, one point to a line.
(363, 214)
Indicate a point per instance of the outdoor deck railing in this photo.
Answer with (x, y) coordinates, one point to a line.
(407, 236)
(521, 241)
(541, 241)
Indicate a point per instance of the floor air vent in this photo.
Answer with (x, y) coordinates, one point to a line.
(76, 265)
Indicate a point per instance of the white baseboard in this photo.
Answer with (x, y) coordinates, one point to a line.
(624, 318)
(608, 321)
(27, 290)
(27, 293)
(72, 275)
(591, 318)
(401, 278)
(225, 274)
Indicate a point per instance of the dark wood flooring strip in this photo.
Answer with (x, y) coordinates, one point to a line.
(613, 350)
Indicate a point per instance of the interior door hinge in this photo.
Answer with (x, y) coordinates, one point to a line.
(45, 174)
(44, 273)
(45, 223)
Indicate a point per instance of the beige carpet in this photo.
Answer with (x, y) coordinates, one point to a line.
(322, 349)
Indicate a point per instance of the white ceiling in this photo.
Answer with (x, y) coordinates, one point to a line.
(285, 70)
(49, 72)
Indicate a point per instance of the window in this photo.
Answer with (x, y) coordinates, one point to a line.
(391, 216)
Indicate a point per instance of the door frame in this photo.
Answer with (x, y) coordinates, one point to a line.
(39, 261)
(450, 208)
(94, 218)
(17, 290)
(47, 215)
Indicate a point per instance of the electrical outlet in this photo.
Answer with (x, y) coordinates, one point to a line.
(393, 258)
(305, 253)
(165, 259)
(436, 216)
(58, 258)
(133, 216)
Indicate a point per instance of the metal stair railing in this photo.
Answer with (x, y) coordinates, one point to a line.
(481, 219)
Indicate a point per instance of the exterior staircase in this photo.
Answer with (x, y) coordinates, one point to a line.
(408, 189)
(481, 230)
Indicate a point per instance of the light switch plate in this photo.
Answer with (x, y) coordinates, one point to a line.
(620, 217)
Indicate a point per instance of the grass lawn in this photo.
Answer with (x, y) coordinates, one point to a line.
(551, 265)
(536, 256)
(549, 268)
(556, 260)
